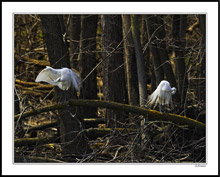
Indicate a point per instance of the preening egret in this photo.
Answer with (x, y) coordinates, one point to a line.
(162, 95)
(63, 78)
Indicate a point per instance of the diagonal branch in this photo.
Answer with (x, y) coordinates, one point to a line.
(152, 114)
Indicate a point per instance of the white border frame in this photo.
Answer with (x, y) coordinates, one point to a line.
(211, 8)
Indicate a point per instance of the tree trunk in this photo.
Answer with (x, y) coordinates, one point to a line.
(179, 35)
(131, 66)
(87, 61)
(202, 72)
(153, 81)
(146, 52)
(69, 123)
(114, 87)
(74, 34)
(165, 61)
(142, 85)
(151, 23)
(16, 103)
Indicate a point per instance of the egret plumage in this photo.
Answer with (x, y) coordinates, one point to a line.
(162, 95)
(63, 78)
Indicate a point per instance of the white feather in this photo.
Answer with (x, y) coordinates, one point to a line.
(63, 78)
(162, 95)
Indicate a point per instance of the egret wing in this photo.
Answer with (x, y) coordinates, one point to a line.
(76, 80)
(48, 75)
(153, 99)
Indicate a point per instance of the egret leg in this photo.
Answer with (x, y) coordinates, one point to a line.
(66, 97)
(165, 109)
(171, 105)
(60, 100)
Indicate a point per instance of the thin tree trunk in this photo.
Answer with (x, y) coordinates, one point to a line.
(87, 61)
(114, 87)
(74, 34)
(131, 66)
(179, 35)
(140, 61)
(142, 84)
(165, 61)
(202, 72)
(158, 68)
(153, 81)
(69, 122)
(146, 52)
(16, 103)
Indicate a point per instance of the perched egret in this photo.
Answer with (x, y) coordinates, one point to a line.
(162, 95)
(63, 78)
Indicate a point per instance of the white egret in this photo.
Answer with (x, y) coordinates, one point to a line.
(162, 95)
(63, 78)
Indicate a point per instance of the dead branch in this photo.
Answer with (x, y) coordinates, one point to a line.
(35, 88)
(30, 84)
(41, 127)
(37, 62)
(93, 133)
(89, 122)
(33, 141)
(192, 27)
(32, 90)
(19, 158)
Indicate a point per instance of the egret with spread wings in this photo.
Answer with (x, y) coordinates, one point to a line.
(63, 78)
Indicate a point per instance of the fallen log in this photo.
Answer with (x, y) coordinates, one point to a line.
(150, 114)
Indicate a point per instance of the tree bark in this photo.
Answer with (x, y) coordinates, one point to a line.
(152, 114)
(165, 61)
(53, 30)
(202, 71)
(34, 141)
(131, 65)
(87, 61)
(151, 23)
(74, 34)
(142, 85)
(179, 35)
(16, 103)
(114, 87)
(146, 52)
